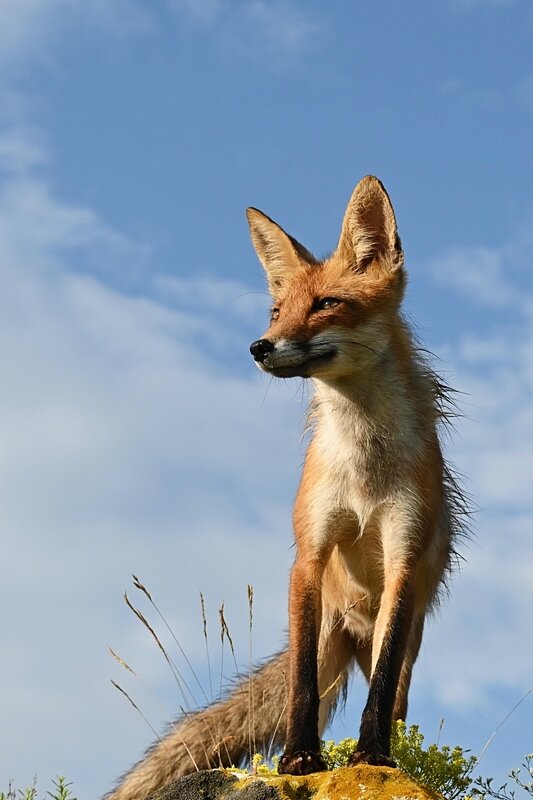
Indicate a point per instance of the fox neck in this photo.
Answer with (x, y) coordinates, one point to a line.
(391, 400)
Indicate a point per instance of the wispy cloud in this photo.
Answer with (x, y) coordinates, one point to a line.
(476, 4)
(483, 97)
(495, 449)
(281, 30)
(478, 272)
(488, 276)
(129, 444)
(30, 26)
(282, 24)
(21, 148)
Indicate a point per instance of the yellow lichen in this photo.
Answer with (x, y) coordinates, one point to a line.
(346, 783)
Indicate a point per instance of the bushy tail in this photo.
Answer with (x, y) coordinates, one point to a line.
(252, 717)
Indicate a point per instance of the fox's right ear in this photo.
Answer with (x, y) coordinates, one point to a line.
(279, 253)
(369, 230)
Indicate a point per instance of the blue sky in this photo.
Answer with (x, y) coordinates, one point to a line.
(137, 437)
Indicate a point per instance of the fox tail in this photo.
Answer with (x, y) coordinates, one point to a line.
(251, 718)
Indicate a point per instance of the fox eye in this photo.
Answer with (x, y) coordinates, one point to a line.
(274, 313)
(327, 302)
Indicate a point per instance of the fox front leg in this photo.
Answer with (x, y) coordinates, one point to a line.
(302, 750)
(391, 636)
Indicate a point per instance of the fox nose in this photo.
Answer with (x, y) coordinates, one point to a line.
(261, 348)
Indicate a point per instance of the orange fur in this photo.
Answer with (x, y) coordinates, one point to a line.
(373, 519)
(376, 512)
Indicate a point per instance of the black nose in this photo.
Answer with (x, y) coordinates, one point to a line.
(261, 348)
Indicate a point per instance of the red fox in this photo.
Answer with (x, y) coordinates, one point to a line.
(376, 515)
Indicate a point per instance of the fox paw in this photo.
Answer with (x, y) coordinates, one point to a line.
(374, 759)
(301, 762)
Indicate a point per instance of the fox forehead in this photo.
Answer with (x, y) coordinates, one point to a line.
(323, 279)
(333, 279)
(362, 295)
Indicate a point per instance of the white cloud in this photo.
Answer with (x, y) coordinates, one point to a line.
(482, 97)
(129, 444)
(279, 29)
(282, 23)
(232, 298)
(477, 271)
(491, 277)
(480, 643)
(474, 4)
(204, 13)
(28, 26)
(488, 631)
(21, 149)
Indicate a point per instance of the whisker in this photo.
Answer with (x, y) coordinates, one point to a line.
(266, 392)
(245, 294)
(348, 355)
(380, 353)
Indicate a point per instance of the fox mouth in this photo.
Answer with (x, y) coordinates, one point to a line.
(301, 369)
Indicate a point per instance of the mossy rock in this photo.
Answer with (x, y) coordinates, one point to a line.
(346, 783)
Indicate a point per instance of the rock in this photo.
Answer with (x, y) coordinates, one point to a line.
(349, 783)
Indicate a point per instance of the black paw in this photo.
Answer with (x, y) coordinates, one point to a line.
(302, 762)
(374, 759)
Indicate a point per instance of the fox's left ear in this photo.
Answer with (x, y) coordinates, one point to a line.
(281, 255)
(369, 230)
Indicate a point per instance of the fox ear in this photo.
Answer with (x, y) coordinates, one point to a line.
(279, 253)
(369, 228)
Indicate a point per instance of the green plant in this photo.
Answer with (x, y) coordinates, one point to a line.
(60, 791)
(337, 754)
(29, 793)
(10, 794)
(259, 768)
(483, 787)
(446, 770)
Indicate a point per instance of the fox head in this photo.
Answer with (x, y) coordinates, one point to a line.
(330, 318)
